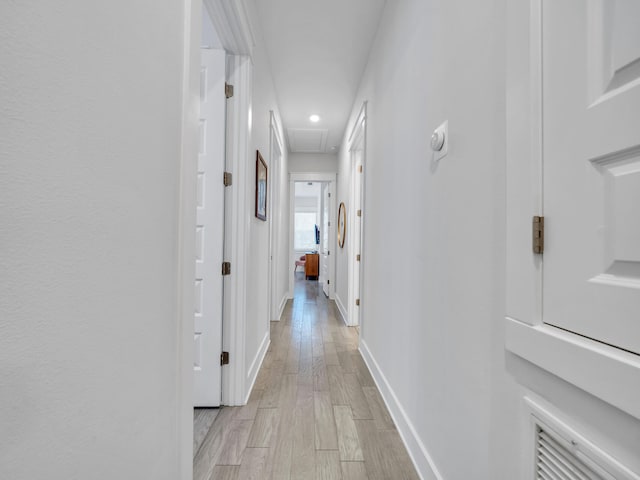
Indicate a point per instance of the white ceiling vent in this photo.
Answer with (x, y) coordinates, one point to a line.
(307, 140)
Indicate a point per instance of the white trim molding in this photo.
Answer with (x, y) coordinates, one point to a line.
(232, 24)
(236, 208)
(610, 374)
(420, 457)
(186, 236)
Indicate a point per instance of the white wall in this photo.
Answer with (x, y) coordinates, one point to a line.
(90, 148)
(313, 163)
(433, 287)
(264, 101)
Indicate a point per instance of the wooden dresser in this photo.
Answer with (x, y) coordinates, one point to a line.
(311, 265)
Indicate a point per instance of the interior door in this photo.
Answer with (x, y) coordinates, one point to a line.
(324, 240)
(356, 254)
(591, 157)
(209, 232)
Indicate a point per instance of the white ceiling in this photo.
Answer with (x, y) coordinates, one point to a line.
(318, 50)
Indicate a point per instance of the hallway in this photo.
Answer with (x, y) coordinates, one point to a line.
(315, 411)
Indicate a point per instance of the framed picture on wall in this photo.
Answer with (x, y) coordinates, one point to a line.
(342, 224)
(261, 187)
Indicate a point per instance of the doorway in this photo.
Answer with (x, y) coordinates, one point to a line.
(312, 213)
(207, 335)
(277, 227)
(357, 143)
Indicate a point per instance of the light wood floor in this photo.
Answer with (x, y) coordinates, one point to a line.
(314, 413)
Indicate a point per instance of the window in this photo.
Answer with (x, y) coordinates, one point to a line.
(304, 237)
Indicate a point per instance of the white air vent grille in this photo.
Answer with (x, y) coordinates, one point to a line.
(306, 140)
(555, 462)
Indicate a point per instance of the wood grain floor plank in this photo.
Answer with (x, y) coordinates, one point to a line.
(288, 392)
(348, 440)
(330, 354)
(303, 455)
(357, 400)
(234, 442)
(202, 420)
(337, 386)
(207, 455)
(225, 472)
(353, 471)
(326, 437)
(279, 461)
(320, 379)
(328, 465)
(253, 464)
(264, 427)
(271, 394)
(378, 409)
(364, 376)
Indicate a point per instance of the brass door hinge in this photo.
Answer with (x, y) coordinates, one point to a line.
(538, 234)
(357, 257)
(360, 169)
(226, 268)
(227, 179)
(357, 302)
(359, 213)
(228, 90)
(224, 358)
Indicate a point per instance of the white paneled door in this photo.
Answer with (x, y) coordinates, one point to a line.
(209, 232)
(591, 157)
(324, 240)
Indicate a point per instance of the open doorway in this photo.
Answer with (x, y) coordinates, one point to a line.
(209, 248)
(312, 238)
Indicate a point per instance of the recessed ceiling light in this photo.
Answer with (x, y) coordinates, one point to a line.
(314, 118)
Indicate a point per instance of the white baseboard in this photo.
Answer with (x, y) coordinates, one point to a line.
(252, 374)
(419, 455)
(283, 303)
(341, 310)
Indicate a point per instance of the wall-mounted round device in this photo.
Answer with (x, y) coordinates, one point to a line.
(440, 141)
(437, 141)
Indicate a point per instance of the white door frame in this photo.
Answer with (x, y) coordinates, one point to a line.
(232, 25)
(275, 217)
(330, 178)
(187, 234)
(355, 269)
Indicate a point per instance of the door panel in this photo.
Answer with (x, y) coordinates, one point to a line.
(209, 232)
(591, 155)
(324, 240)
